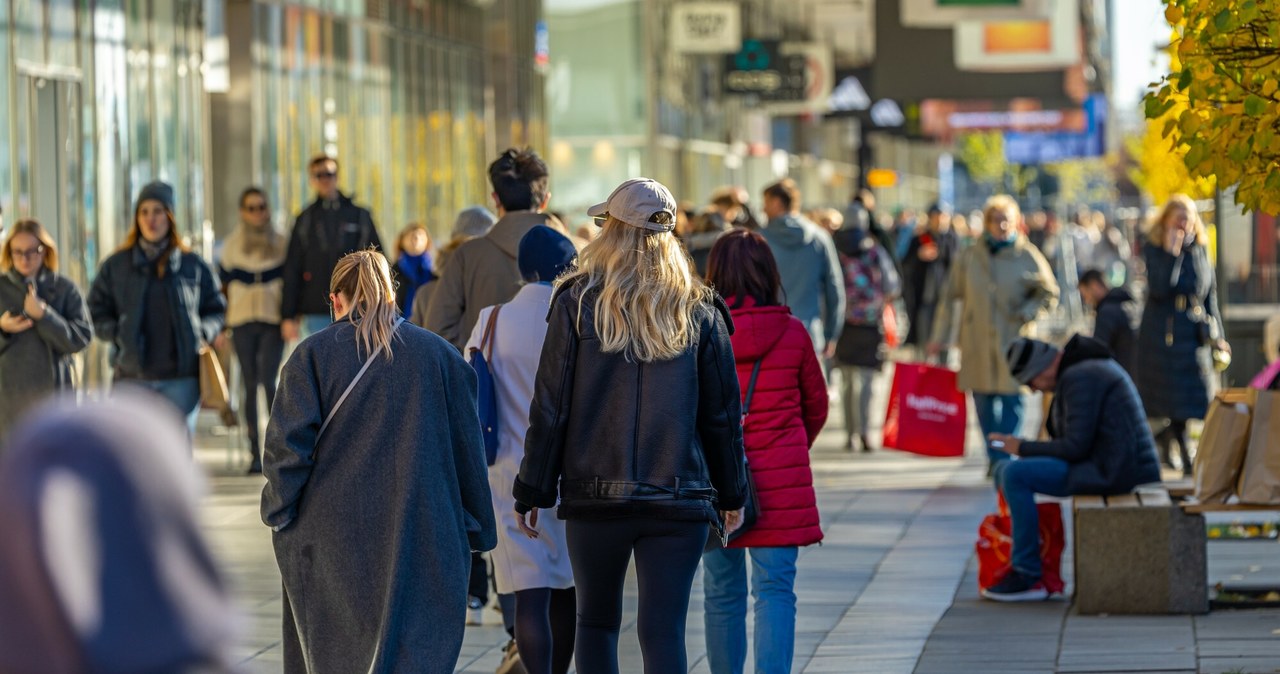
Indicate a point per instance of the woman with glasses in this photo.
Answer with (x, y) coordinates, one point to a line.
(157, 303)
(43, 322)
(251, 266)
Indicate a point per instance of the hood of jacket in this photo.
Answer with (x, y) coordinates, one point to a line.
(512, 227)
(1080, 349)
(757, 330)
(791, 231)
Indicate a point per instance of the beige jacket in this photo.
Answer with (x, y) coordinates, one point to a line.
(253, 282)
(1000, 298)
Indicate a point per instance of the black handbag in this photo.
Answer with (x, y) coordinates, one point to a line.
(750, 507)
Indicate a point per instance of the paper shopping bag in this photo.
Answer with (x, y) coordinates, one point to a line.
(1222, 445)
(926, 414)
(1260, 476)
(214, 394)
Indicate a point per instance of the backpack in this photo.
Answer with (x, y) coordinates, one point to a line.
(869, 283)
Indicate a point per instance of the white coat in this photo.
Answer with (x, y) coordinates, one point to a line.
(519, 562)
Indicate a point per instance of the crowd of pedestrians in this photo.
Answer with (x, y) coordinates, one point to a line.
(659, 379)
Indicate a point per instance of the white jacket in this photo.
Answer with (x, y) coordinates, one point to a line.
(519, 562)
(254, 283)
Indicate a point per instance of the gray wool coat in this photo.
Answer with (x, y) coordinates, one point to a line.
(375, 524)
(38, 362)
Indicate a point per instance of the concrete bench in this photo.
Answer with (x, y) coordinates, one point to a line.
(1139, 553)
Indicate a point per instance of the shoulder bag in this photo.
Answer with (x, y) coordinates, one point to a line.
(352, 385)
(750, 507)
(486, 390)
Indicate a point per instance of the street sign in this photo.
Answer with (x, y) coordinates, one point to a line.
(881, 178)
(760, 68)
(819, 72)
(706, 28)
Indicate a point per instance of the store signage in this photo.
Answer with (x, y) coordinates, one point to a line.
(880, 178)
(760, 68)
(1042, 147)
(706, 28)
(819, 73)
(947, 13)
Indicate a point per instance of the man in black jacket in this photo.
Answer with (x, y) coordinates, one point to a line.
(1116, 317)
(329, 228)
(1100, 443)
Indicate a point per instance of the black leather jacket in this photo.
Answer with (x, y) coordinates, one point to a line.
(627, 439)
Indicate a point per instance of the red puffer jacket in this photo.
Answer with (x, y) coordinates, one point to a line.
(788, 409)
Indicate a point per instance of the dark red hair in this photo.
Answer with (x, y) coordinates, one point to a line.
(741, 265)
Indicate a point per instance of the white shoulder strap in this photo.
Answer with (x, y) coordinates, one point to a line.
(353, 383)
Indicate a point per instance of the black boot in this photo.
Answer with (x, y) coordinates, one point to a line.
(1164, 443)
(255, 457)
(866, 444)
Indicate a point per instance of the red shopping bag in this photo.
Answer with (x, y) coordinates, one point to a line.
(889, 319)
(926, 414)
(995, 546)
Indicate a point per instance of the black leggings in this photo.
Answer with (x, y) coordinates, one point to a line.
(545, 621)
(259, 348)
(667, 556)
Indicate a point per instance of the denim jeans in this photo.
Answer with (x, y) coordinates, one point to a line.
(184, 393)
(724, 585)
(310, 324)
(1007, 421)
(1020, 480)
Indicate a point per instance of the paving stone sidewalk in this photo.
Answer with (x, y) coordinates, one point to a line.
(891, 590)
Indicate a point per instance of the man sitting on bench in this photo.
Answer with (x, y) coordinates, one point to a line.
(1100, 443)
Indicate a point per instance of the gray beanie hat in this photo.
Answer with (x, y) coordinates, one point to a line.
(156, 191)
(473, 222)
(1029, 357)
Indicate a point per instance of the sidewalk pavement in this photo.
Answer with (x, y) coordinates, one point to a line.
(892, 589)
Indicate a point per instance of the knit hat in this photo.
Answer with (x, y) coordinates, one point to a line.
(473, 222)
(156, 191)
(544, 254)
(639, 202)
(1028, 358)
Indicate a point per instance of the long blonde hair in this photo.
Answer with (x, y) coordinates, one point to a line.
(648, 292)
(365, 279)
(1156, 228)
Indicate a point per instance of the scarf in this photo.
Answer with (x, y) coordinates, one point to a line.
(995, 245)
(417, 271)
(259, 242)
(153, 251)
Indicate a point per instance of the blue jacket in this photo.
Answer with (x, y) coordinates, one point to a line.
(1097, 424)
(811, 275)
(116, 304)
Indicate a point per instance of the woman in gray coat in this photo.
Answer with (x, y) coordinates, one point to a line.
(377, 498)
(43, 322)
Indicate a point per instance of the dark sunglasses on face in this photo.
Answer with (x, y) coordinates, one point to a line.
(29, 254)
(327, 175)
(255, 208)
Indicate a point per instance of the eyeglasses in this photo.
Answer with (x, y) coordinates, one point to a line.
(254, 208)
(327, 175)
(31, 254)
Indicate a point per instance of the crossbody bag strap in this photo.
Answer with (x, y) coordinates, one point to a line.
(352, 385)
(486, 341)
(751, 387)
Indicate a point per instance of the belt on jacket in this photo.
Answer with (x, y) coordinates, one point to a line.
(636, 491)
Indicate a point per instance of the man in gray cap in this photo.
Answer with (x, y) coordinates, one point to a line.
(1099, 443)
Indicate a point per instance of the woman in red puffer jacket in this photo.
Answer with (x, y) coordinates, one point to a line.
(787, 410)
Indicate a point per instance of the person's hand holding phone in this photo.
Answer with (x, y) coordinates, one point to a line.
(1005, 443)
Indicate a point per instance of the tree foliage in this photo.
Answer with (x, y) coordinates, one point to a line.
(1221, 98)
(1158, 168)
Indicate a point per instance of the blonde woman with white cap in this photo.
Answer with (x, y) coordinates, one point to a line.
(636, 425)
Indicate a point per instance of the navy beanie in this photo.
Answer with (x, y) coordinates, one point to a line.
(544, 254)
(156, 191)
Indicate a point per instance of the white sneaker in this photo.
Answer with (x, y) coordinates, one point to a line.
(475, 611)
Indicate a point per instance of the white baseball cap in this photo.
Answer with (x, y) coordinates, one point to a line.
(639, 202)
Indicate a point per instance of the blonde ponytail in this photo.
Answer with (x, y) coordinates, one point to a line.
(365, 279)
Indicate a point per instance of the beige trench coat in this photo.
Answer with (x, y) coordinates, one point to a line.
(1000, 296)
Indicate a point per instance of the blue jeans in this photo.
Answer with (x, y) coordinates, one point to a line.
(1007, 421)
(724, 585)
(310, 324)
(1020, 480)
(184, 393)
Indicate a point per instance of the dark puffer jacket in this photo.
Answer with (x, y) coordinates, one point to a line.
(1116, 326)
(628, 439)
(117, 305)
(322, 234)
(788, 408)
(1097, 424)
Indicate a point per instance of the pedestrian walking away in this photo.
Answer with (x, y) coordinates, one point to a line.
(156, 303)
(43, 322)
(332, 226)
(636, 425)
(807, 261)
(536, 570)
(414, 266)
(1099, 443)
(251, 268)
(1181, 326)
(787, 408)
(1002, 286)
(374, 541)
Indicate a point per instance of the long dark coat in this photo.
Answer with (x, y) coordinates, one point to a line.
(376, 524)
(1175, 376)
(924, 282)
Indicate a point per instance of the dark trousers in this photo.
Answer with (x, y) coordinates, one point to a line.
(667, 555)
(259, 348)
(478, 586)
(545, 623)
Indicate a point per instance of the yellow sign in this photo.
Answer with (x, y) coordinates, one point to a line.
(882, 178)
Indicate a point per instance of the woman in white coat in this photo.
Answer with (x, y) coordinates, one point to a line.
(536, 569)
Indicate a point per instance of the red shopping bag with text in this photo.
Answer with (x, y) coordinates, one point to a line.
(926, 414)
(995, 546)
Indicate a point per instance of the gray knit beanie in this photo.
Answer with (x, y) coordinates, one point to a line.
(1029, 357)
(473, 222)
